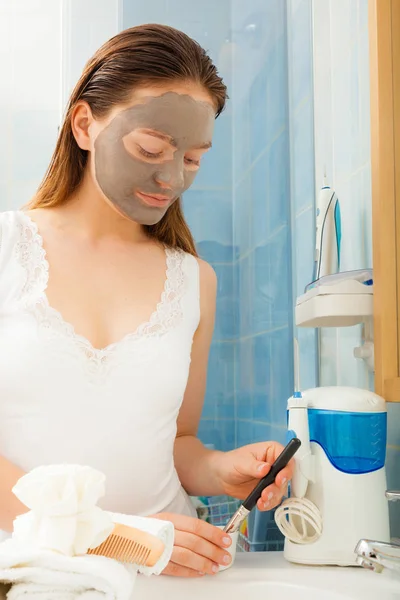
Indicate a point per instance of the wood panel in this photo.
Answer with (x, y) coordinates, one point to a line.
(396, 119)
(386, 280)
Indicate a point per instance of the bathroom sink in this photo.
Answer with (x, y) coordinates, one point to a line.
(267, 575)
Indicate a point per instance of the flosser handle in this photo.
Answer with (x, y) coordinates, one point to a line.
(287, 453)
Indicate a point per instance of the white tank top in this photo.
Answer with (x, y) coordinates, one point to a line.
(62, 401)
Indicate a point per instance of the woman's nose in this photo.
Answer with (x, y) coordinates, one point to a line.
(170, 176)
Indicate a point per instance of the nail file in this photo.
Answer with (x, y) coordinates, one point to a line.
(287, 453)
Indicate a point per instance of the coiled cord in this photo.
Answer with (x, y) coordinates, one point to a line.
(299, 520)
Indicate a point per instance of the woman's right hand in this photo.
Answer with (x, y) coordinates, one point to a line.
(198, 547)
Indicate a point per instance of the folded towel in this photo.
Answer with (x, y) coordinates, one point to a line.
(46, 559)
(43, 575)
(46, 575)
(164, 530)
(63, 516)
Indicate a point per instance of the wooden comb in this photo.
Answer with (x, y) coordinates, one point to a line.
(130, 545)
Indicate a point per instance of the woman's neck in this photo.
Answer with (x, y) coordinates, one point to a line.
(89, 212)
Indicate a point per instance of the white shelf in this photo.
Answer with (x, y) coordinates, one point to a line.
(340, 305)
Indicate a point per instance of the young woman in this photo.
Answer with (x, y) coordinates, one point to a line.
(107, 313)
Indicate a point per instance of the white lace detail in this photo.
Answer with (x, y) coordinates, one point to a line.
(32, 256)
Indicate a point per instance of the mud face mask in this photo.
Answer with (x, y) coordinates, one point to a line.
(149, 154)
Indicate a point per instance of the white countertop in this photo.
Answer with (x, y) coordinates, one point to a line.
(268, 576)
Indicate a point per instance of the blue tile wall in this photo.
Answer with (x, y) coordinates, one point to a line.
(220, 394)
(301, 111)
(303, 174)
(258, 113)
(242, 213)
(260, 223)
(261, 220)
(277, 100)
(279, 183)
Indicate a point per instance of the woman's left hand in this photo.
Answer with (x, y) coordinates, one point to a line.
(240, 470)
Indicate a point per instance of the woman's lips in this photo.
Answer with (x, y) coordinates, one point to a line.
(156, 201)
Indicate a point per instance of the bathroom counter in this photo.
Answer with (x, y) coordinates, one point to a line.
(257, 576)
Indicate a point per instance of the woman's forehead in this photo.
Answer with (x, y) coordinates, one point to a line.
(179, 116)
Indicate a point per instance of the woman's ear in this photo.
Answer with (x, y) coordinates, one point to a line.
(81, 120)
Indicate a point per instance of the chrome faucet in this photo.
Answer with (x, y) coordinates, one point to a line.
(377, 556)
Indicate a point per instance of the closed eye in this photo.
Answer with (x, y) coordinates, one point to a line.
(148, 154)
(190, 161)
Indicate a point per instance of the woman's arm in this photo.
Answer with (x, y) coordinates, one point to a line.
(207, 472)
(10, 506)
(195, 463)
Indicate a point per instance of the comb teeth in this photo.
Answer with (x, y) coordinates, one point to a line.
(123, 550)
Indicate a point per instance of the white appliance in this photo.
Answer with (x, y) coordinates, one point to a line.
(328, 233)
(337, 493)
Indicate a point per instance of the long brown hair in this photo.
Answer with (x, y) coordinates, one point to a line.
(143, 55)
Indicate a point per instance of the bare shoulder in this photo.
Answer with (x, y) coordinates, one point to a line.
(208, 277)
(208, 290)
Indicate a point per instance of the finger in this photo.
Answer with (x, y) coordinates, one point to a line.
(283, 476)
(248, 466)
(270, 452)
(261, 469)
(187, 558)
(270, 497)
(266, 452)
(270, 504)
(202, 547)
(272, 491)
(174, 570)
(198, 528)
(274, 450)
(266, 502)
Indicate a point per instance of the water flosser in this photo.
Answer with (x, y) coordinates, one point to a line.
(298, 424)
(328, 233)
(298, 427)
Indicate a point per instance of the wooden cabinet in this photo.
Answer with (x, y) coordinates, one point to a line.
(384, 24)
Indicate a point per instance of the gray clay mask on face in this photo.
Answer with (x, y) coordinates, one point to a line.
(148, 155)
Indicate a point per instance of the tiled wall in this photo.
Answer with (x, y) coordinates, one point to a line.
(301, 111)
(342, 144)
(261, 220)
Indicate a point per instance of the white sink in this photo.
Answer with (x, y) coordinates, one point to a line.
(267, 576)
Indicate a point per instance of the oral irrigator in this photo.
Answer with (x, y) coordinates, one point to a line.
(337, 492)
(338, 488)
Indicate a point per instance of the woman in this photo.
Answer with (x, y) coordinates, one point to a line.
(95, 368)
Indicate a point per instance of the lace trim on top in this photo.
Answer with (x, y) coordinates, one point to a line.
(32, 256)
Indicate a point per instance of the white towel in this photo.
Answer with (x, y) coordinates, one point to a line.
(164, 530)
(46, 575)
(63, 516)
(43, 575)
(46, 557)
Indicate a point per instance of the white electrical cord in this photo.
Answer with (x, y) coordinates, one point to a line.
(299, 520)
